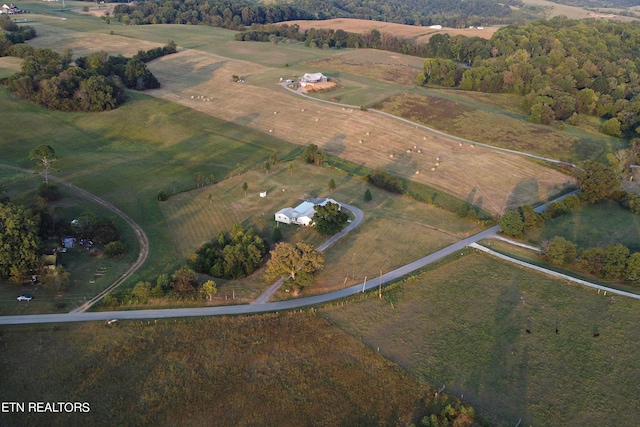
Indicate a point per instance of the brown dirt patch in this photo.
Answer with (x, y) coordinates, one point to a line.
(420, 34)
(320, 86)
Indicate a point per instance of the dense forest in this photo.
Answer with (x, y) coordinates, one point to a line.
(561, 67)
(236, 15)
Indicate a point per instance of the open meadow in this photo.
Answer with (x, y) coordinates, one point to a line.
(128, 155)
(262, 104)
(599, 225)
(464, 325)
(417, 33)
(274, 370)
(396, 230)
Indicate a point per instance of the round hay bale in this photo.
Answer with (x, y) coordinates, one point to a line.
(391, 156)
(419, 151)
(460, 144)
(417, 172)
(191, 96)
(437, 164)
(408, 151)
(317, 119)
(270, 130)
(432, 169)
(424, 138)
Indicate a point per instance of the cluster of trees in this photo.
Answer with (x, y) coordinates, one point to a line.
(232, 256)
(96, 82)
(313, 155)
(11, 34)
(239, 14)
(613, 262)
(182, 284)
(19, 241)
(561, 67)
(386, 181)
(329, 219)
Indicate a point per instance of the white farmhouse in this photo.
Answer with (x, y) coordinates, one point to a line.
(9, 9)
(303, 213)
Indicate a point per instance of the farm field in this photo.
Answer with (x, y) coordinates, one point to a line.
(266, 370)
(464, 325)
(575, 12)
(160, 147)
(386, 143)
(415, 32)
(396, 230)
(458, 113)
(463, 172)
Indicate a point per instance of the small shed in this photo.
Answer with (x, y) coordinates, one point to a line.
(263, 194)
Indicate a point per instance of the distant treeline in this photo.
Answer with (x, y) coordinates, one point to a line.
(96, 82)
(561, 67)
(466, 48)
(238, 14)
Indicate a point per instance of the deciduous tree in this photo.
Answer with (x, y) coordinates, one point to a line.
(296, 263)
(329, 219)
(597, 181)
(511, 223)
(46, 155)
(18, 241)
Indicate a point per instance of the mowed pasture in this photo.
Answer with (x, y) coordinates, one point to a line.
(362, 137)
(272, 370)
(414, 32)
(9, 65)
(464, 325)
(128, 155)
(201, 80)
(396, 229)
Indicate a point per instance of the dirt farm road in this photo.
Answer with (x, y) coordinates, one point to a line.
(140, 235)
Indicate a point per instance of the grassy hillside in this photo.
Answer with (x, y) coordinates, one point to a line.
(284, 370)
(464, 325)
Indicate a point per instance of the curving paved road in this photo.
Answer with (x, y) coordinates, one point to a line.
(140, 235)
(359, 216)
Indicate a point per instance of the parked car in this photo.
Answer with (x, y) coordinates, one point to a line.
(25, 298)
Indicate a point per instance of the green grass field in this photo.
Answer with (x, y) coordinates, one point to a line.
(464, 325)
(415, 229)
(130, 154)
(602, 224)
(273, 370)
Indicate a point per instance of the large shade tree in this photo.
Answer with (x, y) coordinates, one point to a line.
(597, 181)
(296, 263)
(329, 219)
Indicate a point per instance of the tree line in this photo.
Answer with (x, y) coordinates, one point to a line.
(96, 82)
(236, 15)
(597, 182)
